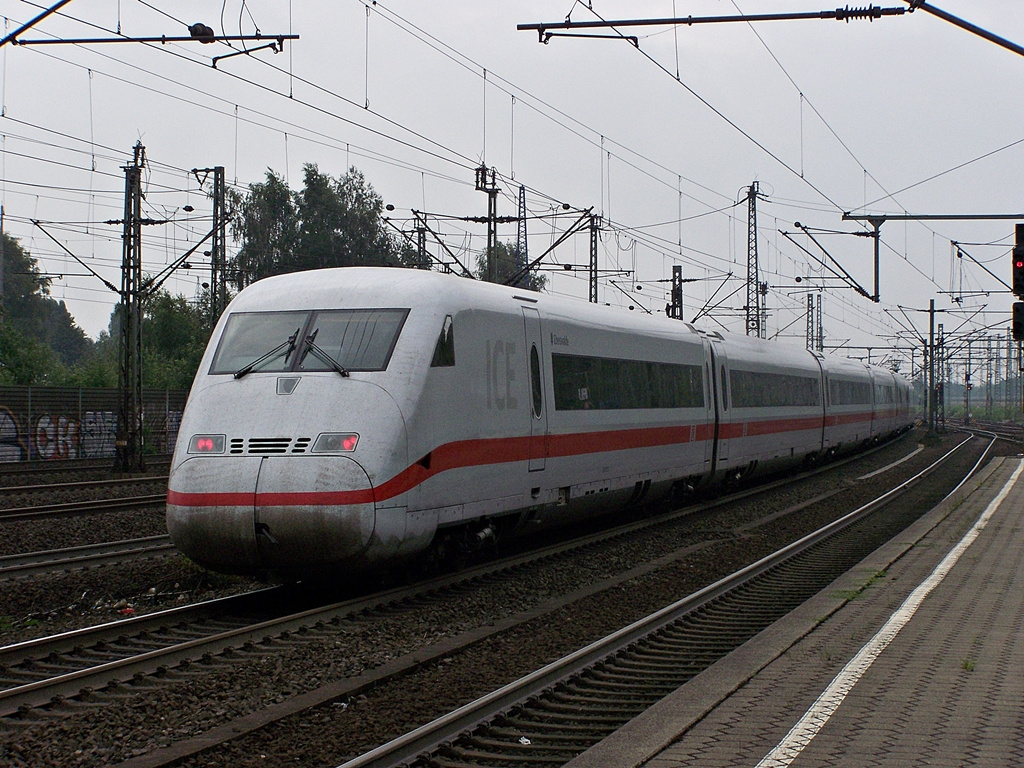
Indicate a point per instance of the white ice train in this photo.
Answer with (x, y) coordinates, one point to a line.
(347, 419)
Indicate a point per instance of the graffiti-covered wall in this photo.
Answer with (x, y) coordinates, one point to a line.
(54, 423)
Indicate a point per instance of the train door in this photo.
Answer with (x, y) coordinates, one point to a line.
(710, 410)
(720, 393)
(538, 413)
(823, 378)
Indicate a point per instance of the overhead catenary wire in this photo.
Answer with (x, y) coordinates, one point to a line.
(530, 100)
(183, 23)
(744, 133)
(674, 243)
(465, 160)
(267, 65)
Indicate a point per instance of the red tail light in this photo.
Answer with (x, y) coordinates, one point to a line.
(206, 444)
(336, 442)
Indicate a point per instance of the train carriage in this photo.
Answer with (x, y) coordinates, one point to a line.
(767, 392)
(849, 415)
(631, 404)
(886, 410)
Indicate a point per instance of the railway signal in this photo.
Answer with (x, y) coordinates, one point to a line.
(1018, 262)
(1017, 324)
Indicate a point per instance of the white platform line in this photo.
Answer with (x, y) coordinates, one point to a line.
(828, 702)
(896, 463)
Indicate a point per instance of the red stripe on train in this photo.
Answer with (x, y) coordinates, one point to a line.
(458, 455)
(475, 453)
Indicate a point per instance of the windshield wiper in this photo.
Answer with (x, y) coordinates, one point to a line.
(325, 356)
(290, 344)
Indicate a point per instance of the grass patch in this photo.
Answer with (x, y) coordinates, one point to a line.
(850, 594)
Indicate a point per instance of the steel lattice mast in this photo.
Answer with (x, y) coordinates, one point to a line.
(522, 256)
(755, 319)
(129, 422)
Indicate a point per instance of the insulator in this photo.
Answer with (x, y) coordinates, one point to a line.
(870, 13)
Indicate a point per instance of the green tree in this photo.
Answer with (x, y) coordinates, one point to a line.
(99, 366)
(23, 282)
(174, 331)
(506, 257)
(265, 220)
(27, 361)
(320, 222)
(174, 336)
(341, 222)
(28, 306)
(329, 223)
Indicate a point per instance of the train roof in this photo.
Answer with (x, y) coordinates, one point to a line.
(344, 287)
(356, 287)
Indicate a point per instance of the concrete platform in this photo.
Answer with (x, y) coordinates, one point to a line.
(913, 658)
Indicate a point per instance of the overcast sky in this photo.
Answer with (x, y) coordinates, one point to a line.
(904, 114)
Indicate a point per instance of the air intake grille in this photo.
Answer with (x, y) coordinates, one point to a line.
(269, 446)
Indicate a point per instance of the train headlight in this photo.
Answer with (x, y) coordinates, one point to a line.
(206, 444)
(335, 442)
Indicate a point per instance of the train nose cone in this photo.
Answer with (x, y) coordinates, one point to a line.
(282, 514)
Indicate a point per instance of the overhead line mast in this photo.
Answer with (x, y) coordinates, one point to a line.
(755, 309)
(128, 443)
(522, 249)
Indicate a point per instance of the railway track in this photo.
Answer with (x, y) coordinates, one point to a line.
(38, 671)
(84, 556)
(17, 471)
(241, 642)
(100, 485)
(1004, 430)
(559, 711)
(154, 643)
(72, 508)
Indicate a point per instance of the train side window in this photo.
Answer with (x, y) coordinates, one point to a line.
(761, 389)
(444, 351)
(535, 383)
(582, 382)
(725, 390)
(849, 392)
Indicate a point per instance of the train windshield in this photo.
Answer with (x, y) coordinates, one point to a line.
(358, 339)
(258, 341)
(318, 340)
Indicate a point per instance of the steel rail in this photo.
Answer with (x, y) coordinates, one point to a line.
(77, 484)
(83, 555)
(42, 691)
(1013, 433)
(72, 508)
(74, 638)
